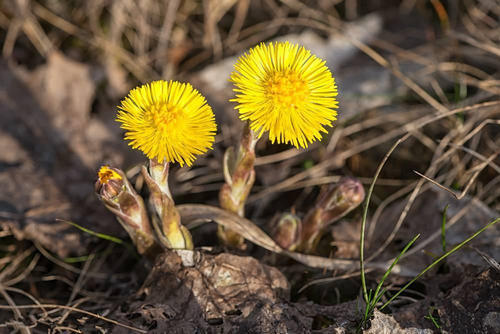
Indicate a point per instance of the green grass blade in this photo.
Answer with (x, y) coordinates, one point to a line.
(103, 236)
(431, 318)
(76, 259)
(365, 215)
(396, 260)
(376, 300)
(453, 250)
(96, 234)
(368, 307)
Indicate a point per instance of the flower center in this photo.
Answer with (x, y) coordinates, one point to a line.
(164, 114)
(286, 89)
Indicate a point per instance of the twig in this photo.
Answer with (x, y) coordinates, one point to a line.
(64, 265)
(477, 155)
(24, 293)
(418, 187)
(14, 264)
(471, 180)
(330, 279)
(166, 30)
(453, 220)
(484, 46)
(24, 273)
(12, 304)
(74, 309)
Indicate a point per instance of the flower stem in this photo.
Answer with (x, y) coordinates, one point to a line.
(174, 234)
(117, 194)
(239, 175)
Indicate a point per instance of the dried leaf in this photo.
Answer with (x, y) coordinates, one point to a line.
(192, 213)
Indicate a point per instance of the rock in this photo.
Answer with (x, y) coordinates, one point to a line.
(335, 50)
(464, 301)
(65, 91)
(32, 187)
(383, 323)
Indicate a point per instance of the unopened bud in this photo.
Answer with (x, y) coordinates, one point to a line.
(337, 200)
(119, 197)
(333, 203)
(287, 231)
(109, 183)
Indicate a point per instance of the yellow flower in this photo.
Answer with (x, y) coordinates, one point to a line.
(284, 89)
(168, 121)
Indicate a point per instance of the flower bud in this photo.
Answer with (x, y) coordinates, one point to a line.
(334, 202)
(119, 197)
(109, 183)
(287, 231)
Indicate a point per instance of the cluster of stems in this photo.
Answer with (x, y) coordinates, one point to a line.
(291, 232)
(333, 203)
(118, 195)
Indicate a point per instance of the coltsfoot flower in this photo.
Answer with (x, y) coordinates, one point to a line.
(168, 121)
(284, 89)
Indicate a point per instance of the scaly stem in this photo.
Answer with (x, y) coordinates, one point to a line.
(175, 235)
(239, 175)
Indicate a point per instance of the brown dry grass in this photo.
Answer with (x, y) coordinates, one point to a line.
(452, 116)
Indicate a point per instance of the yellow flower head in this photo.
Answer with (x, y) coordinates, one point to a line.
(284, 89)
(168, 121)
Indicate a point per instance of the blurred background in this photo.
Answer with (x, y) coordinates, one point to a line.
(66, 64)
